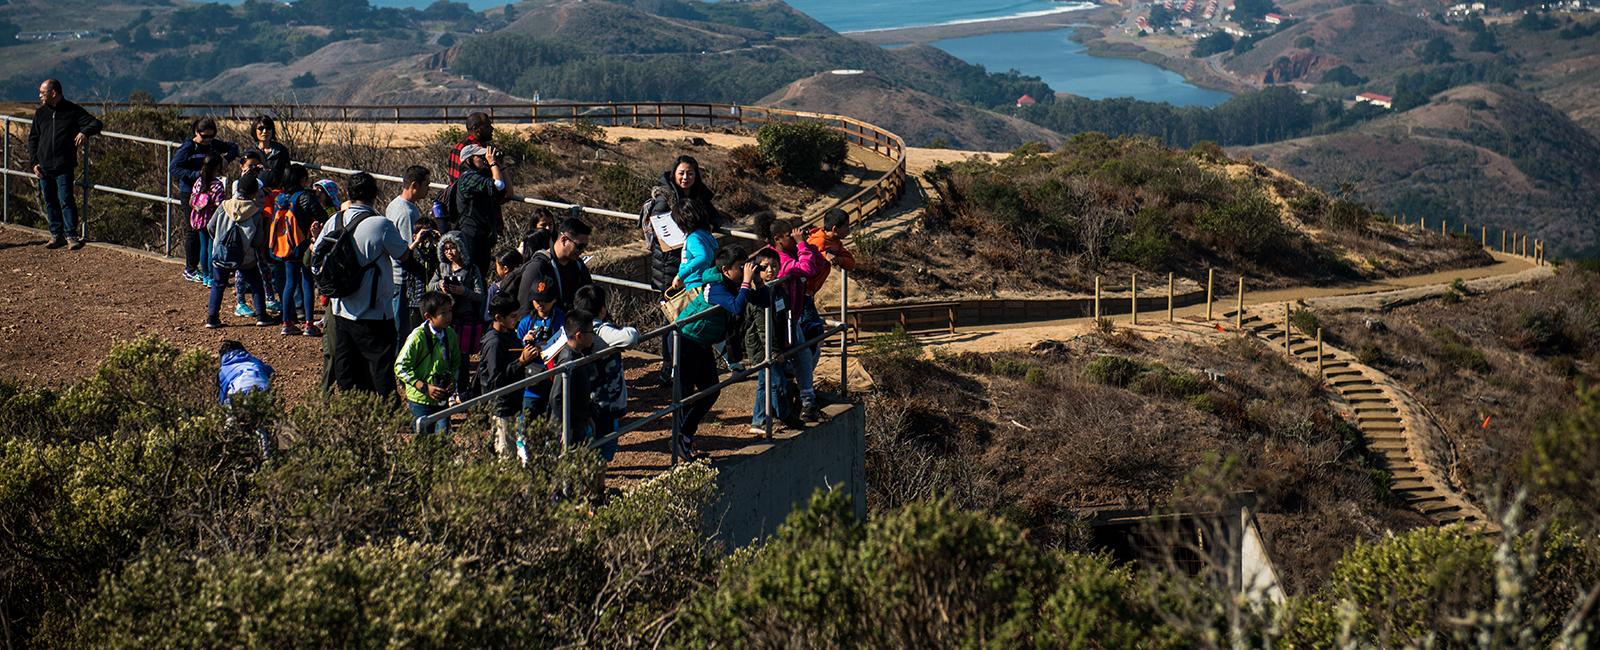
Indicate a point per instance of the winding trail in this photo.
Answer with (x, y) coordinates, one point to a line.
(1393, 422)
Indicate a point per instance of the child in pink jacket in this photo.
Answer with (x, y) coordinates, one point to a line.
(799, 261)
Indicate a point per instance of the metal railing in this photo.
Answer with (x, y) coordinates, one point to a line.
(861, 205)
(671, 334)
(562, 372)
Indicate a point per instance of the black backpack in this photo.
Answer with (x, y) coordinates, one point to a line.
(447, 209)
(227, 253)
(336, 269)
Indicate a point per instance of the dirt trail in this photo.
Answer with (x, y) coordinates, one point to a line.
(996, 338)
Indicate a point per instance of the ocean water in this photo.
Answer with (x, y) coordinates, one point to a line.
(868, 15)
(1064, 64)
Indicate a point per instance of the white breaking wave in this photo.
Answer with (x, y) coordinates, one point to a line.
(1064, 8)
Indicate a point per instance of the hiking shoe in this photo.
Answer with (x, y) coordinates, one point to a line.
(273, 307)
(289, 330)
(244, 310)
(191, 276)
(77, 243)
(205, 280)
(794, 424)
(809, 412)
(56, 242)
(213, 324)
(758, 429)
(262, 322)
(312, 330)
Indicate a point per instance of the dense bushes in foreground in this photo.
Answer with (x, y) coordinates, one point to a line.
(157, 525)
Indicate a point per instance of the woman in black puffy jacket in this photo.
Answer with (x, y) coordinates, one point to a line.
(683, 181)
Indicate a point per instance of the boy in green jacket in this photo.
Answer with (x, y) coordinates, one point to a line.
(429, 360)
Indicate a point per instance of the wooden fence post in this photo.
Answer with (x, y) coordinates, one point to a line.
(1483, 236)
(1238, 316)
(1170, 316)
(1287, 333)
(1320, 367)
(1097, 299)
(1133, 299)
(1502, 240)
(1211, 280)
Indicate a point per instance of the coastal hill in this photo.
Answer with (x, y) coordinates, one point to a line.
(914, 115)
(1502, 151)
(1372, 40)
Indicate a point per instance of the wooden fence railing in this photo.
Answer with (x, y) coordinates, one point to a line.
(861, 205)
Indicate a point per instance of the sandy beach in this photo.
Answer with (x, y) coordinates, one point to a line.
(930, 33)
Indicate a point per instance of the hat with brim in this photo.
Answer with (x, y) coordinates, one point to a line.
(471, 150)
(544, 291)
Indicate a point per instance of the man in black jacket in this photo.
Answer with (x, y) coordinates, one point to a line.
(59, 129)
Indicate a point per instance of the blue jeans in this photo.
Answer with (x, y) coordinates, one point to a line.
(780, 381)
(424, 410)
(605, 424)
(55, 190)
(804, 366)
(250, 280)
(402, 314)
(296, 286)
(205, 267)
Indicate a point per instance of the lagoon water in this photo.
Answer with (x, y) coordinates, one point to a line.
(1064, 64)
(1051, 56)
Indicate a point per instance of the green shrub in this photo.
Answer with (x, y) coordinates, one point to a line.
(1113, 370)
(1306, 321)
(1160, 381)
(1248, 225)
(808, 152)
(926, 575)
(1009, 367)
(1038, 378)
(620, 186)
(1403, 587)
(894, 343)
(1149, 243)
(1563, 461)
(1458, 351)
(1347, 215)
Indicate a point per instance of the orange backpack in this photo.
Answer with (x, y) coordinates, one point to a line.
(285, 233)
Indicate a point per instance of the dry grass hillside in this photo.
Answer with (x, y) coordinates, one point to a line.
(1483, 154)
(1040, 222)
(916, 116)
(1050, 435)
(1374, 40)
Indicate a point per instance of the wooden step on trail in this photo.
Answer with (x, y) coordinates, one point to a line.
(1388, 426)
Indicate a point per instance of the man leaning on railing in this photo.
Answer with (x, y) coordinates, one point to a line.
(60, 128)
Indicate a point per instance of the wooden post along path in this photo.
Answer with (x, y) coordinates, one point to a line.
(1133, 300)
(1211, 281)
(1238, 314)
(1097, 298)
(1170, 286)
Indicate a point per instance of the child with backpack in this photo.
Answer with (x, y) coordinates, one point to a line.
(458, 276)
(207, 193)
(754, 328)
(569, 395)
(428, 363)
(727, 286)
(238, 241)
(608, 395)
(799, 261)
(296, 218)
(502, 360)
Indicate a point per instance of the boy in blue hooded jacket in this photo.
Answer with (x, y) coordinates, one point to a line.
(241, 373)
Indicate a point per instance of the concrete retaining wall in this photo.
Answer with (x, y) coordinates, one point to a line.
(756, 492)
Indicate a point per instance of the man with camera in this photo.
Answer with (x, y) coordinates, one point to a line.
(478, 196)
(405, 211)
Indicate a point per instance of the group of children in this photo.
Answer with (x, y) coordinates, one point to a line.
(520, 323)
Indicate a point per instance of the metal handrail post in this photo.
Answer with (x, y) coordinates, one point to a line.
(83, 210)
(677, 394)
(766, 373)
(844, 337)
(169, 200)
(566, 408)
(5, 208)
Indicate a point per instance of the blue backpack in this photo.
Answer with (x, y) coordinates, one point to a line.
(227, 252)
